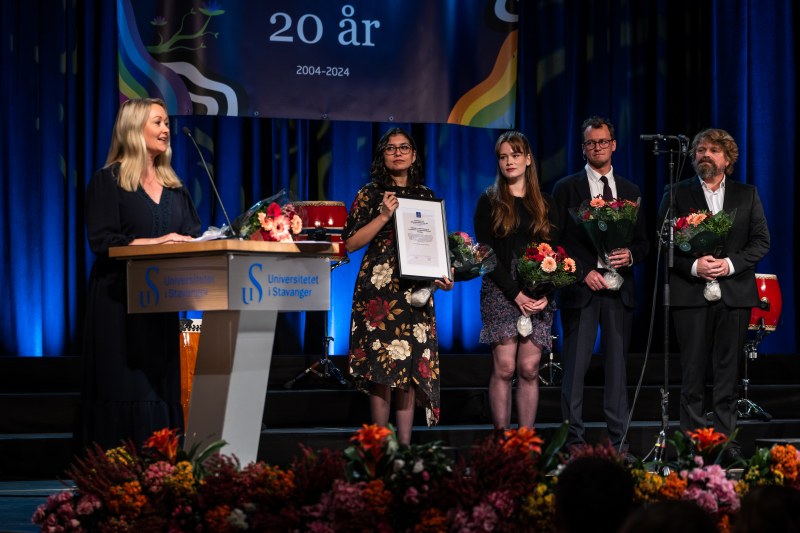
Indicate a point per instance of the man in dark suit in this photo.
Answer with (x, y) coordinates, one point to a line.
(590, 302)
(715, 328)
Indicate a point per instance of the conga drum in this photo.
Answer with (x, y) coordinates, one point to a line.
(323, 220)
(189, 341)
(766, 315)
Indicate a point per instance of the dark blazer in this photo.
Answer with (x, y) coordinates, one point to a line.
(747, 242)
(570, 192)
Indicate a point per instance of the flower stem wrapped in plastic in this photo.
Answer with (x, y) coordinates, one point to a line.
(469, 260)
(542, 270)
(610, 225)
(700, 233)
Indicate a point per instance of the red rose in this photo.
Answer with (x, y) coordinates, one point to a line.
(681, 223)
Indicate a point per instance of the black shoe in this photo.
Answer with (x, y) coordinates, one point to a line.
(732, 458)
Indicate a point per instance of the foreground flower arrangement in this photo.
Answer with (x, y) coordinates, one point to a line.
(506, 484)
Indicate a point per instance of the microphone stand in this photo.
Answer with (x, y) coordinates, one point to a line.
(667, 236)
(210, 179)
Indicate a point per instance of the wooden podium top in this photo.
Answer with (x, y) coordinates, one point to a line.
(214, 247)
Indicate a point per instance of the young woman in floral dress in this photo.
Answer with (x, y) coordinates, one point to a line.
(511, 214)
(393, 345)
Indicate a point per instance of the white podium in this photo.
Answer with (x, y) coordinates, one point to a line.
(241, 286)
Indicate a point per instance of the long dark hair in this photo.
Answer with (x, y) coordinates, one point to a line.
(377, 170)
(505, 219)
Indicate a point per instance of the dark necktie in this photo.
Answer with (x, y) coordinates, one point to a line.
(607, 194)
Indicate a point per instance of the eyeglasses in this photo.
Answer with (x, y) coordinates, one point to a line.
(404, 149)
(602, 143)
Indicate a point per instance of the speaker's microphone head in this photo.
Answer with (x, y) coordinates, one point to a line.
(186, 131)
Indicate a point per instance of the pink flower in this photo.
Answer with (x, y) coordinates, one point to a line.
(549, 264)
(88, 504)
(265, 221)
(297, 224)
(465, 236)
(411, 496)
(484, 517)
(280, 230)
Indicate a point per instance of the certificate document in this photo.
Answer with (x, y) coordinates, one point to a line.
(422, 238)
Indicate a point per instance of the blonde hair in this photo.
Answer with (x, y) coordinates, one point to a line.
(505, 219)
(129, 149)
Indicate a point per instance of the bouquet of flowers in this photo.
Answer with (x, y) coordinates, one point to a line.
(610, 225)
(272, 219)
(542, 270)
(778, 465)
(469, 260)
(700, 233)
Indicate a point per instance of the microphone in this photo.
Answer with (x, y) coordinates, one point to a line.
(660, 137)
(211, 179)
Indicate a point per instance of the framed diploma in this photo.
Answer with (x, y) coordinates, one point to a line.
(422, 248)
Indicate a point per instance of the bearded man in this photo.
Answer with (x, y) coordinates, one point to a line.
(709, 328)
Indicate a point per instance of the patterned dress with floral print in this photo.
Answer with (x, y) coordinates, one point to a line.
(391, 342)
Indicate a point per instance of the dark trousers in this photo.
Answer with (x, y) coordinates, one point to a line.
(580, 332)
(714, 332)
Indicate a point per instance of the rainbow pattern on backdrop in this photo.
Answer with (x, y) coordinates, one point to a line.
(492, 103)
(142, 76)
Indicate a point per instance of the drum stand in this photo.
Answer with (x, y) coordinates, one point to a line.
(745, 407)
(323, 368)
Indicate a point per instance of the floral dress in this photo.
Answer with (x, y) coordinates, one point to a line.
(391, 342)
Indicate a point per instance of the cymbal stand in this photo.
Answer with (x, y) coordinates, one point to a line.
(554, 370)
(745, 407)
(323, 368)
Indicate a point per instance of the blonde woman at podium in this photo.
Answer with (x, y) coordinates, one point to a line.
(394, 350)
(131, 363)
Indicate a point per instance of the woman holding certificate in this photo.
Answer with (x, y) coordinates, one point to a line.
(393, 345)
(509, 216)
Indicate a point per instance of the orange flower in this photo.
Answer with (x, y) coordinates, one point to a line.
(376, 497)
(127, 499)
(522, 441)
(165, 442)
(695, 219)
(673, 488)
(569, 265)
(216, 519)
(544, 249)
(432, 520)
(597, 202)
(785, 459)
(371, 438)
(706, 438)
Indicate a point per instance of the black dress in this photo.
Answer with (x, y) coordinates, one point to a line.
(131, 371)
(391, 342)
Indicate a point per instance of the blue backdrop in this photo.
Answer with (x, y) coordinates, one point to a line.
(651, 67)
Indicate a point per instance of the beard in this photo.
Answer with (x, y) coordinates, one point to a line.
(706, 168)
